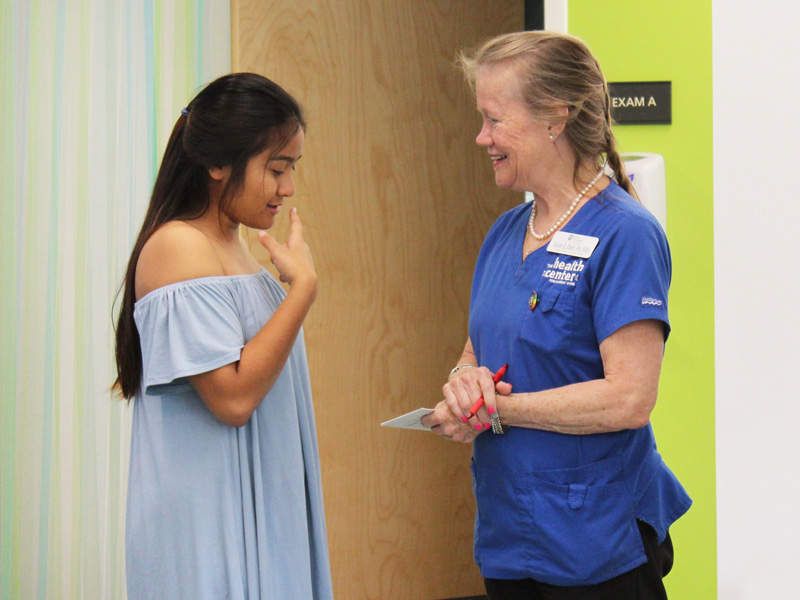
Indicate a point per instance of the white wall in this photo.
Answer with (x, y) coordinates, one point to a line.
(757, 270)
(555, 15)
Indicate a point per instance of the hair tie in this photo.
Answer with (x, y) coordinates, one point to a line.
(185, 112)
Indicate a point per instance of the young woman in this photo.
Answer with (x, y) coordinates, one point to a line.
(224, 495)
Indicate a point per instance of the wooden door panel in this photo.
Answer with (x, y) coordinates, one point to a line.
(396, 198)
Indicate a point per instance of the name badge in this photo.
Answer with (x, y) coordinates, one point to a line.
(572, 244)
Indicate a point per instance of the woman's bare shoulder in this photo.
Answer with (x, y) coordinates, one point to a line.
(177, 251)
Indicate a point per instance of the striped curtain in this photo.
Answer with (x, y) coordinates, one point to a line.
(90, 92)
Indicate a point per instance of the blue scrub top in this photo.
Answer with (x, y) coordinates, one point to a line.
(561, 508)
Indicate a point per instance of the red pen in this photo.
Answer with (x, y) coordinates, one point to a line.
(479, 402)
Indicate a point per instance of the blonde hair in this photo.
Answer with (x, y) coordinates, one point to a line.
(557, 71)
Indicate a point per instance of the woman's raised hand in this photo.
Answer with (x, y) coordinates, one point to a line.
(292, 259)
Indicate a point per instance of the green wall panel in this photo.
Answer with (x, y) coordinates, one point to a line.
(657, 41)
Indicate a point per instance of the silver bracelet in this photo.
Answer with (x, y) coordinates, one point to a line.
(457, 368)
(497, 426)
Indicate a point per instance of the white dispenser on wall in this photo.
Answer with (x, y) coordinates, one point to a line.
(646, 172)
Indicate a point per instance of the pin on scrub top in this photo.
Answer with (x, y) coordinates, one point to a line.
(533, 300)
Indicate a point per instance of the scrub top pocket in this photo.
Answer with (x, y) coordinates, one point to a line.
(549, 327)
(582, 532)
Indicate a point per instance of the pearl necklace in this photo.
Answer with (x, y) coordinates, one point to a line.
(563, 217)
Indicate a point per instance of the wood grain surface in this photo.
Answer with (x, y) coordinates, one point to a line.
(396, 198)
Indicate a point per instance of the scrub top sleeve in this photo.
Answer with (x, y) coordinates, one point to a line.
(633, 280)
(186, 330)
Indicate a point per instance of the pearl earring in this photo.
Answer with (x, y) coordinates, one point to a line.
(552, 138)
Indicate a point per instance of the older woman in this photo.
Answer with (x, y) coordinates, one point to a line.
(570, 291)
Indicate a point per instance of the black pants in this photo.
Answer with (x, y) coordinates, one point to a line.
(642, 583)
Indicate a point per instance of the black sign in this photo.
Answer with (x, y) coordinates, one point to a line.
(641, 102)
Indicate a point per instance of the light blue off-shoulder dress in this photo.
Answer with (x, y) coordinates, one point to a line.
(218, 512)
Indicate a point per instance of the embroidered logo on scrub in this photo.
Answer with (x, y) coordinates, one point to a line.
(564, 273)
(651, 301)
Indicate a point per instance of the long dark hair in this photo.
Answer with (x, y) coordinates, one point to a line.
(231, 120)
